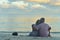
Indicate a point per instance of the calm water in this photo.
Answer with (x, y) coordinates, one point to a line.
(24, 36)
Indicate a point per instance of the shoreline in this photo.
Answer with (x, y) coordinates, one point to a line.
(21, 32)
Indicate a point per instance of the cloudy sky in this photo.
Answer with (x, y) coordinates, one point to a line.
(19, 15)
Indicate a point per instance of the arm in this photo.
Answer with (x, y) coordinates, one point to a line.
(33, 27)
(37, 27)
(49, 31)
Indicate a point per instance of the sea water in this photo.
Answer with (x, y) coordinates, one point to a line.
(24, 36)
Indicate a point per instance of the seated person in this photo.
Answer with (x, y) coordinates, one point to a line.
(34, 30)
(44, 29)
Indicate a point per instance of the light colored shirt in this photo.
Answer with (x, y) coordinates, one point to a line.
(43, 29)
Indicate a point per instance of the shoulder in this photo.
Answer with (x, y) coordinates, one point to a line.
(48, 25)
(45, 23)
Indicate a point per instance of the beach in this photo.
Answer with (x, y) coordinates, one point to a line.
(24, 36)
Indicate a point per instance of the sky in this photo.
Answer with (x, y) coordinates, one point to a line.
(19, 15)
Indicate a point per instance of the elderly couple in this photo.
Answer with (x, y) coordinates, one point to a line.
(40, 29)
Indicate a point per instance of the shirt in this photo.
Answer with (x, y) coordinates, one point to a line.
(43, 29)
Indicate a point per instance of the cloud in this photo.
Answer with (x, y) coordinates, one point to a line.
(50, 2)
(39, 1)
(38, 6)
(20, 4)
(4, 3)
(55, 2)
(24, 4)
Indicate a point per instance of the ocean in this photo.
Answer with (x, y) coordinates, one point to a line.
(24, 36)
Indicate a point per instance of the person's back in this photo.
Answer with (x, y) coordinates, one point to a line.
(43, 29)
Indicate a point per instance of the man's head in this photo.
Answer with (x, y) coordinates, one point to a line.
(42, 20)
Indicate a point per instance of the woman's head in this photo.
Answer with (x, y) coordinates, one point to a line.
(37, 22)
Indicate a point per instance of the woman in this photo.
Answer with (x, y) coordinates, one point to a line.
(34, 30)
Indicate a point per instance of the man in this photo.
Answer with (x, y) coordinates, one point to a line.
(44, 29)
